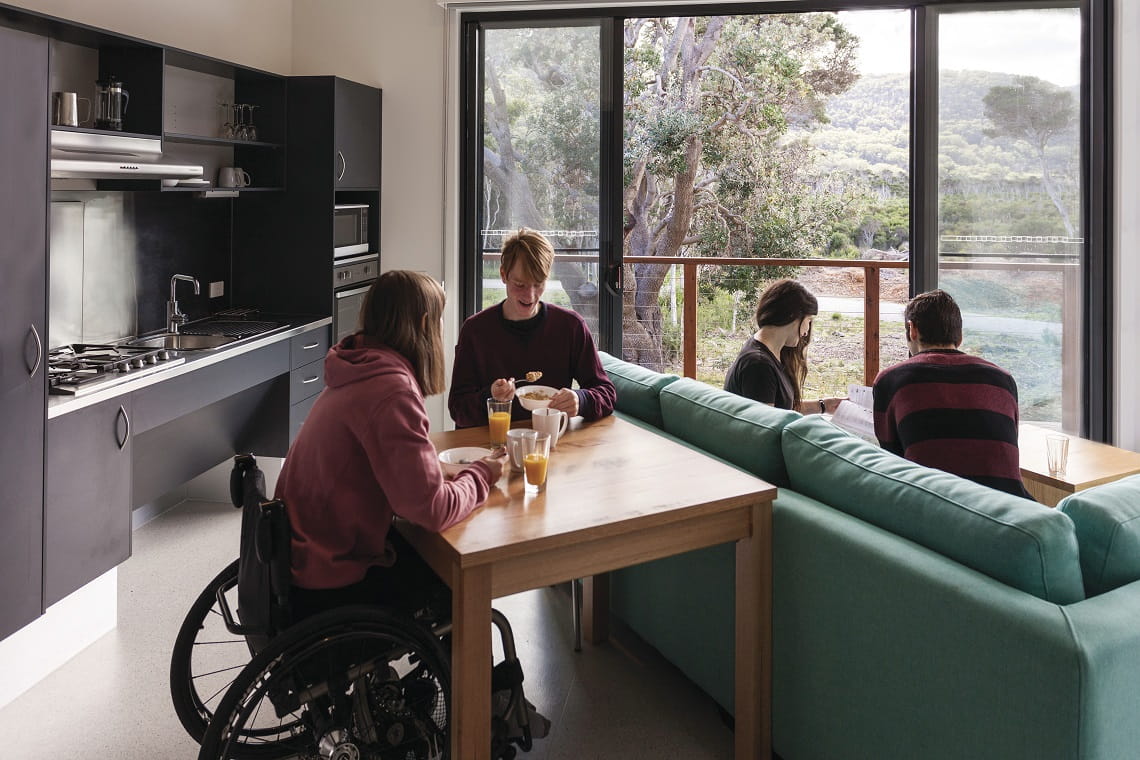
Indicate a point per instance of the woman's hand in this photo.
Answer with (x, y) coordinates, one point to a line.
(503, 389)
(496, 461)
(831, 404)
(565, 400)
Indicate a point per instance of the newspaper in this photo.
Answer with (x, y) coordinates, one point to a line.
(856, 413)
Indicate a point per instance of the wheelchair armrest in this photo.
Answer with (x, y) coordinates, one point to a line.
(232, 625)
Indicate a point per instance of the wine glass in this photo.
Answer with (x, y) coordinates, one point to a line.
(227, 125)
(249, 131)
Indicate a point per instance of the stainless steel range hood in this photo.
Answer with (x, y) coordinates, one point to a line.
(85, 155)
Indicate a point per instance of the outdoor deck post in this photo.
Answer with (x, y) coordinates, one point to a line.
(870, 324)
(689, 331)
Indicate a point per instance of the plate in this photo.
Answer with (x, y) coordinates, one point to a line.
(531, 404)
(454, 461)
(193, 182)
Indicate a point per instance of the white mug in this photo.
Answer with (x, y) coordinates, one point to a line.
(233, 176)
(552, 421)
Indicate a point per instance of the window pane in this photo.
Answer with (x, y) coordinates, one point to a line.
(540, 155)
(1009, 207)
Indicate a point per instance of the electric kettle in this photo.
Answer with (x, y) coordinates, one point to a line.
(110, 103)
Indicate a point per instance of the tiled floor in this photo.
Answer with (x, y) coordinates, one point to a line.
(617, 700)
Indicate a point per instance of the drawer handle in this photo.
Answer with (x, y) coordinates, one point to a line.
(310, 347)
(122, 415)
(312, 379)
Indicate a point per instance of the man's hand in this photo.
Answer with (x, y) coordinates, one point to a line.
(503, 389)
(565, 400)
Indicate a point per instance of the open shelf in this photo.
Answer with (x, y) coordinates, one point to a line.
(229, 141)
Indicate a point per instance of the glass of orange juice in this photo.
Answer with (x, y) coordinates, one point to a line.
(498, 421)
(535, 462)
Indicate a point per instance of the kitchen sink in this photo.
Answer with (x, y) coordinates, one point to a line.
(180, 342)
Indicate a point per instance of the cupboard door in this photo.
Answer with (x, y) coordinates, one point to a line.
(356, 135)
(87, 509)
(23, 318)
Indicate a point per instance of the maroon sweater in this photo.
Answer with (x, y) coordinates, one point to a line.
(556, 343)
(362, 456)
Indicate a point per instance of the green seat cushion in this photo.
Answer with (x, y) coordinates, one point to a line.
(637, 388)
(1021, 543)
(741, 431)
(1107, 520)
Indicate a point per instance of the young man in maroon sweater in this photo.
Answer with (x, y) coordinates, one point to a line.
(523, 334)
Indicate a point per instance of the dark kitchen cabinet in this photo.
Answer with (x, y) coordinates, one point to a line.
(306, 375)
(356, 126)
(87, 512)
(23, 318)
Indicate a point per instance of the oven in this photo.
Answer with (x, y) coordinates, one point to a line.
(352, 277)
(350, 229)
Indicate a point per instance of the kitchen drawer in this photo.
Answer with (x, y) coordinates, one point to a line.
(297, 414)
(306, 381)
(308, 347)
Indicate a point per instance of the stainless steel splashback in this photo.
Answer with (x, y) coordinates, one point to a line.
(92, 281)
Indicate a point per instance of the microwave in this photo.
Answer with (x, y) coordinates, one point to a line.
(350, 229)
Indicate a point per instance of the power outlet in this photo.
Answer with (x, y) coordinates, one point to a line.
(217, 289)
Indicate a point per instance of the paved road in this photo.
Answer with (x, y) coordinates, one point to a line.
(979, 322)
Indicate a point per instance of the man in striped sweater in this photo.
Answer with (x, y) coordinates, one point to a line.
(946, 409)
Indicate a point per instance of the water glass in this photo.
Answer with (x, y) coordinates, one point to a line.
(1057, 453)
(535, 462)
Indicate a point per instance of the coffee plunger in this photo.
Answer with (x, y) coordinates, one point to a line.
(110, 103)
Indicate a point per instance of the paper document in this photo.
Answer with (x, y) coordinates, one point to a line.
(856, 413)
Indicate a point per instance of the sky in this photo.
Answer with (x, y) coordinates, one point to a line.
(1041, 43)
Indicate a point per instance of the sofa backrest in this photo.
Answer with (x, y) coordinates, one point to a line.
(1107, 520)
(741, 431)
(1014, 540)
(637, 388)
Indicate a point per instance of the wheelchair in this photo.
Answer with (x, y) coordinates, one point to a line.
(358, 682)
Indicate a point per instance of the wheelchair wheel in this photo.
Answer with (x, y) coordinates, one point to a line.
(206, 660)
(355, 682)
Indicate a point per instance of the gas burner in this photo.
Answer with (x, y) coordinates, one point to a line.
(85, 367)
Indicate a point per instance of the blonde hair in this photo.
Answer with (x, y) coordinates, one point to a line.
(403, 310)
(531, 251)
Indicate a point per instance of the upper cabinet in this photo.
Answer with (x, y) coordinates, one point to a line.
(337, 127)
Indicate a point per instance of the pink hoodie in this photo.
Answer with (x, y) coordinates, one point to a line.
(362, 456)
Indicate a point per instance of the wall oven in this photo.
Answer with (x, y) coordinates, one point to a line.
(352, 277)
(350, 229)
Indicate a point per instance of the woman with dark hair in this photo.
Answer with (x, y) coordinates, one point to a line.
(771, 366)
(363, 456)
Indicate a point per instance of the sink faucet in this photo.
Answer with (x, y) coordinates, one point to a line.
(174, 316)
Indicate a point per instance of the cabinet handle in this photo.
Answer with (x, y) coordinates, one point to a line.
(126, 425)
(311, 346)
(343, 166)
(39, 352)
(312, 379)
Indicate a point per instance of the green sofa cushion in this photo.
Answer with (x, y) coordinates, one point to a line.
(637, 388)
(1016, 541)
(1107, 520)
(741, 431)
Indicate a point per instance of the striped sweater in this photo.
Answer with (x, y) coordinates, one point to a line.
(954, 412)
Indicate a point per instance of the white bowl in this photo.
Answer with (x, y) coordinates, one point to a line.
(534, 403)
(454, 461)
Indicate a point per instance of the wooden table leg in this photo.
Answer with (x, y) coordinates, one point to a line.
(754, 638)
(596, 608)
(471, 664)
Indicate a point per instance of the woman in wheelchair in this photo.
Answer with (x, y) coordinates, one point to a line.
(363, 455)
(353, 669)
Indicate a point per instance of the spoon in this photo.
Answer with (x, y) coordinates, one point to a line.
(530, 378)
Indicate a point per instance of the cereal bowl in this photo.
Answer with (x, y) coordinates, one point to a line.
(535, 396)
(454, 461)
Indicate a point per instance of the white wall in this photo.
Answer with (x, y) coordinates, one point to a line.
(1127, 214)
(256, 33)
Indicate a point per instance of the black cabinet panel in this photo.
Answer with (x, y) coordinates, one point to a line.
(23, 318)
(357, 135)
(87, 515)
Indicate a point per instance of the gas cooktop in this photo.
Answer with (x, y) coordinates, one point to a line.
(81, 368)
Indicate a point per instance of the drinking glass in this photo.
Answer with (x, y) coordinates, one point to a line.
(250, 129)
(498, 421)
(228, 124)
(1057, 453)
(518, 446)
(536, 461)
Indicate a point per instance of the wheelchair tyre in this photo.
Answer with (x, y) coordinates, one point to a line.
(356, 681)
(205, 660)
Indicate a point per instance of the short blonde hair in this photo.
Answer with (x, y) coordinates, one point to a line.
(403, 310)
(531, 251)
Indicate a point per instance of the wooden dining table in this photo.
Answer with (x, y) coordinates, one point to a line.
(616, 495)
(1090, 464)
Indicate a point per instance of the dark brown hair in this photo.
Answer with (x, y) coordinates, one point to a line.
(403, 310)
(531, 251)
(937, 318)
(784, 302)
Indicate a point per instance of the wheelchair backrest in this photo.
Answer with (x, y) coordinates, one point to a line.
(264, 572)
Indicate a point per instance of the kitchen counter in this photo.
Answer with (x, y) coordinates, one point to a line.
(194, 360)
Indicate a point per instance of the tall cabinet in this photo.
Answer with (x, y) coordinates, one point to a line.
(23, 319)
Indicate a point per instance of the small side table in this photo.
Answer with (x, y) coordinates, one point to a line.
(1090, 464)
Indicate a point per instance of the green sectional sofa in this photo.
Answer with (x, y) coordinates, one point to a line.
(916, 615)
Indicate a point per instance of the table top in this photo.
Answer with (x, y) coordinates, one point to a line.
(604, 478)
(1090, 463)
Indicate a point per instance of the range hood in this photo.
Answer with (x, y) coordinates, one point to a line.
(86, 155)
